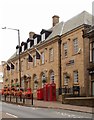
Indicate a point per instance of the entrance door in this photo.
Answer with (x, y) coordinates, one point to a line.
(92, 88)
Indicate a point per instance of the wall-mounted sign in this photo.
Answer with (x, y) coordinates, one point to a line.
(70, 62)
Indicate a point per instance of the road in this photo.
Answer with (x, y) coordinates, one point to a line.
(17, 111)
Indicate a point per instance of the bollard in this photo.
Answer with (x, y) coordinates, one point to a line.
(32, 98)
(5, 97)
(23, 100)
(16, 99)
(10, 98)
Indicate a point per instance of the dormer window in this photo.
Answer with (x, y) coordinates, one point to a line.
(43, 37)
(35, 41)
(22, 48)
(44, 34)
(28, 45)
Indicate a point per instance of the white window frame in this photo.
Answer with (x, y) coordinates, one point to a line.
(75, 45)
(35, 41)
(52, 76)
(65, 79)
(75, 76)
(17, 51)
(42, 58)
(28, 45)
(51, 54)
(65, 49)
(23, 48)
(43, 36)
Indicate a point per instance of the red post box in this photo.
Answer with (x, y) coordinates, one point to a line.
(52, 92)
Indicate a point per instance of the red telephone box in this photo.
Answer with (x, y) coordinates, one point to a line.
(52, 92)
(40, 94)
(45, 92)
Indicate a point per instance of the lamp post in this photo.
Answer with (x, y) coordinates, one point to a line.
(19, 50)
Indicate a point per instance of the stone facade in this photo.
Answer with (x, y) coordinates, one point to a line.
(60, 63)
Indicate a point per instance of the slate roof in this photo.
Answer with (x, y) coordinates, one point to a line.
(64, 27)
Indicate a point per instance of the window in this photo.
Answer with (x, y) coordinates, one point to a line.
(35, 41)
(75, 45)
(42, 58)
(65, 79)
(35, 82)
(43, 37)
(90, 52)
(43, 79)
(34, 60)
(22, 48)
(51, 55)
(52, 76)
(93, 52)
(65, 50)
(75, 74)
(28, 45)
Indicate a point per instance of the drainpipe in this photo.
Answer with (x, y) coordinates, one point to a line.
(60, 68)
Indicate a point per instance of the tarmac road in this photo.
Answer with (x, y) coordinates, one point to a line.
(17, 111)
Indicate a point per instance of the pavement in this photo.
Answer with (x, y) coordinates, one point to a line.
(59, 105)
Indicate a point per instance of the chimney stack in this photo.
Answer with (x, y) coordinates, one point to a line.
(31, 35)
(55, 20)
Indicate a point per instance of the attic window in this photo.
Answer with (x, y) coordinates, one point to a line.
(35, 41)
(22, 48)
(43, 37)
(28, 45)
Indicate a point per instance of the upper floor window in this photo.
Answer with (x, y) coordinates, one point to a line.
(34, 60)
(28, 45)
(93, 52)
(75, 45)
(35, 41)
(42, 58)
(65, 49)
(43, 36)
(75, 75)
(51, 54)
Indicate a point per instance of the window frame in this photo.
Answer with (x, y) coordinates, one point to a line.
(51, 55)
(75, 77)
(75, 45)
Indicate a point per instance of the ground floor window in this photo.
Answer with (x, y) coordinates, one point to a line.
(52, 76)
(75, 75)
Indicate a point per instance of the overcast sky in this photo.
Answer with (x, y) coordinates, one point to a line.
(33, 15)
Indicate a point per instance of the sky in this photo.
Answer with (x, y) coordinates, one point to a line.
(33, 15)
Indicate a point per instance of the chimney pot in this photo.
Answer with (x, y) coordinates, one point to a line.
(31, 35)
(55, 20)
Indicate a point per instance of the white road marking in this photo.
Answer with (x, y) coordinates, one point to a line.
(19, 106)
(12, 115)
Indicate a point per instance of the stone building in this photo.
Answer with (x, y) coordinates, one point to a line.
(89, 33)
(59, 54)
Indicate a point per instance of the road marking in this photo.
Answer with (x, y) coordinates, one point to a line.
(19, 106)
(12, 115)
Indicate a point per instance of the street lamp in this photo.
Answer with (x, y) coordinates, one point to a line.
(19, 51)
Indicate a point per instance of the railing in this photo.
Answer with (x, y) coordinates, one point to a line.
(17, 99)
